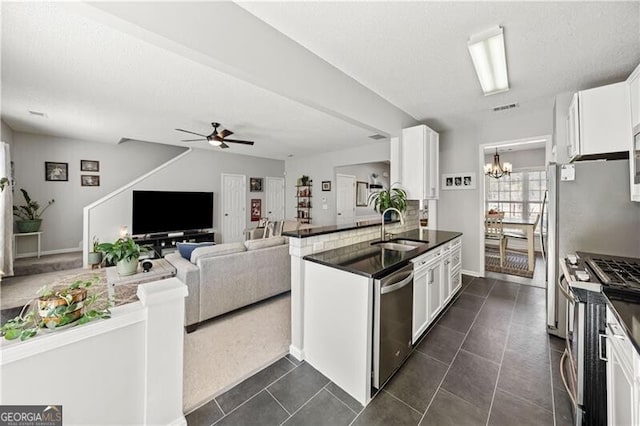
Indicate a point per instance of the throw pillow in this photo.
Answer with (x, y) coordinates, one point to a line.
(217, 250)
(185, 249)
(263, 243)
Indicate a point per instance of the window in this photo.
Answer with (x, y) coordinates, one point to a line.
(518, 195)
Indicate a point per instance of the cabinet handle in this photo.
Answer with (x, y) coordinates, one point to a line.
(602, 358)
(431, 276)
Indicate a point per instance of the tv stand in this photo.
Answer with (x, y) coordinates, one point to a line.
(165, 243)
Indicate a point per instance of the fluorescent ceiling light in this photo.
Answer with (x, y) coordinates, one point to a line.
(487, 53)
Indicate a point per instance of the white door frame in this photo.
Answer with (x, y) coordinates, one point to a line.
(338, 195)
(243, 196)
(268, 201)
(482, 192)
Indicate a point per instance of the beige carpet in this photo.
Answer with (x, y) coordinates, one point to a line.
(218, 355)
(225, 351)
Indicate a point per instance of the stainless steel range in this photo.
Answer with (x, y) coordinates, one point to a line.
(584, 278)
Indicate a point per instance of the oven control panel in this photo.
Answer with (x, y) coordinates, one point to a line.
(578, 274)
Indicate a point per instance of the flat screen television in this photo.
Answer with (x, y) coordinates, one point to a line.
(171, 211)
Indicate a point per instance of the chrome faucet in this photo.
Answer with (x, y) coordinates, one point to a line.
(382, 234)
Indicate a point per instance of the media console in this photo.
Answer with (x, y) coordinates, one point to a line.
(165, 243)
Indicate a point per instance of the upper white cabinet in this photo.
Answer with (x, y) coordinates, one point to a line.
(598, 122)
(419, 162)
(634, 88)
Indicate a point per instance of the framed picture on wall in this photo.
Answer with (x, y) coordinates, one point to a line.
(89, 166)
(465, 180)
(256, 209)
(89, 180)
(326, 185)
(255, 184)
(56, 171)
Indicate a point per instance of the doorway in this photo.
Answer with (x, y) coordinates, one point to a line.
(233, 207)
(275, 198)
(345, 199)
(512, 215)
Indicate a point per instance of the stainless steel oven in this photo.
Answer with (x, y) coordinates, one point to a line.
(392, 327)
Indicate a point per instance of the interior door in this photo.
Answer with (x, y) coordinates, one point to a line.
(275, 198)
(234, 200)
(345, 199)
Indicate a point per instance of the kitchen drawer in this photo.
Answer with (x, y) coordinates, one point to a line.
(456, 256)
(427, 258)
(456, 279)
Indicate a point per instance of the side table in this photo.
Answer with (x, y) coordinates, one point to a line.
(160, 270)
(26, 234)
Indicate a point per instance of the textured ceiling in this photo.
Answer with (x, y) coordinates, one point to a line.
(415, 55)
(139, 70)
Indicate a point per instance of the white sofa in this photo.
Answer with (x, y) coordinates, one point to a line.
(226, 277)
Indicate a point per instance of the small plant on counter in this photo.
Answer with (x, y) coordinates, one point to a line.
(388, 197)
(54, 309)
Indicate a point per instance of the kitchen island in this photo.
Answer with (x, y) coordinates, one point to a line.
(342, 299)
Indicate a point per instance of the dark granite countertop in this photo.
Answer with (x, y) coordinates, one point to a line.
(627, 309)
(330, 229)
(375, 262)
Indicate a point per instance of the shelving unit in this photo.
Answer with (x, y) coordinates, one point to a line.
(303, 204)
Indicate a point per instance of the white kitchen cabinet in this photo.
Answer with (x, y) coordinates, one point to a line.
(634, 93)
(622, 388)
(419, 151)
(598, 122)
(420, 299)
(435, 290)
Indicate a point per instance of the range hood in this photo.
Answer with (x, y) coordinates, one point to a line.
(606, 156)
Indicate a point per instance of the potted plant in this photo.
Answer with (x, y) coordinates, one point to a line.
(54, 309)
(388, 197)
(95, 255)
(30, 214)
(124, 253)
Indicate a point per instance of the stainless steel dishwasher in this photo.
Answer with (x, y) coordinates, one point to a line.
(393, 312)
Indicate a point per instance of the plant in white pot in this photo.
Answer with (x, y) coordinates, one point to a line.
(95, 255)
(124, 253)
(388, 197)
(30, 214)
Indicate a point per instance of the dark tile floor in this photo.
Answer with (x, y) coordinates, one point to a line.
(487, 361)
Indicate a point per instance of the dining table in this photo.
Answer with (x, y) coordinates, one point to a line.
(527, 224)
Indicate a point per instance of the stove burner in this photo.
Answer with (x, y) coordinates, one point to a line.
(618, 272)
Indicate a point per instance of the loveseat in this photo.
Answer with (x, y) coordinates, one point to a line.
(226, 277)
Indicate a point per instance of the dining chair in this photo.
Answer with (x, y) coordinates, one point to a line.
(493, 230)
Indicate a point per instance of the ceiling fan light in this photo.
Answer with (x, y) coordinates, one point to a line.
(214, 142)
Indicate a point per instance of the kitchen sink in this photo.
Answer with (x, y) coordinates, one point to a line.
(410, 242)
(393, 246)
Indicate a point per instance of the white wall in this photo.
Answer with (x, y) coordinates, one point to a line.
(520, 159)
(119, 164)
(322, 167)
(363, 172)
(6, 133)
(459, 152)
(199, 170)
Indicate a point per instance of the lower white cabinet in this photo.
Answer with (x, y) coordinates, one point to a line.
(420, 300)
(436, 278)
(623, 376)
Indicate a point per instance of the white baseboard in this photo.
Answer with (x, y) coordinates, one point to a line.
(44, 253)
(180, 421)
(296, 352)
(472, 273)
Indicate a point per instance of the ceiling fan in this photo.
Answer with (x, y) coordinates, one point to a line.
(216, 138)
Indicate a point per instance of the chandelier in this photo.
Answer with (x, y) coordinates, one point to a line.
(497, 170)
